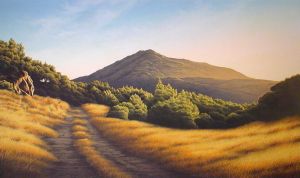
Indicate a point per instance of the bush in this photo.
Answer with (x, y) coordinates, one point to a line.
(240, 118)
(140, 109)
(204, 121)
(123, 94)
(109, 98)
(6, 85)
(136, 108)
(178, 112)
(217, 116)
(119, 111)
(163, 92)
(283, 100)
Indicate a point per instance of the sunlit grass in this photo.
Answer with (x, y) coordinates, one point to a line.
(24, 121)
(77, 128)
(79, 122)
(86, 148)
(97, 110)
(254, 150)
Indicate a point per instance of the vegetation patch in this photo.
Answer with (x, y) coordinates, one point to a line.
(258, 149)
(24, 121)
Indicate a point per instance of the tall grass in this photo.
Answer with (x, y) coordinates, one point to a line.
(24, 121)
(86, 148)
(254, 150)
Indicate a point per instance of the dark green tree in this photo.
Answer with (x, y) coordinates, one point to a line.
(6, 85)
(178, 112)
(283, 100)
(109, 98)
(119, 111)
(163, 92)
(140, 109)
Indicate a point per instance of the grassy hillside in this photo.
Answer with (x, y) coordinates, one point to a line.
(143, 69)
(254, 150)
(24, 122)
(150, 64)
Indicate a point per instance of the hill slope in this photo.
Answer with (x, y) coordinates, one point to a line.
(143, 68)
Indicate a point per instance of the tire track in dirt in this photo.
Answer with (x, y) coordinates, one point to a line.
(135, 166)
(70, 164)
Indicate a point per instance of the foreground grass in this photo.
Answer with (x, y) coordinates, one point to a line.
(24, 121)
(255, 150)
(85, 147)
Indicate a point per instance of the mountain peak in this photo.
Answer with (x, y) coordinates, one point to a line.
(148, 52)
(144, 67)
(154, 65)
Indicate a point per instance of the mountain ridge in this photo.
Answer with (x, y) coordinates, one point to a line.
(144, 68)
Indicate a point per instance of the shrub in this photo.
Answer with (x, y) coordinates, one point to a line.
(119, 111)
(204, 121)
(178, 112)
(140, 109)
(136, 107)
(6, 85)
(283, 100)
(123, 94)
(109, 98)
(163, 92)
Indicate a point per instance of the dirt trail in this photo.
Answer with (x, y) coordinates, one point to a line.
(72, 165)
(135, 166)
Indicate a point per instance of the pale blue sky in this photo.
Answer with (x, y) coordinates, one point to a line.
(260, 38)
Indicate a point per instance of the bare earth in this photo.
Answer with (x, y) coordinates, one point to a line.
(72, 165)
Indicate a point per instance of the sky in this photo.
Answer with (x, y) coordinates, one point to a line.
(260, 38)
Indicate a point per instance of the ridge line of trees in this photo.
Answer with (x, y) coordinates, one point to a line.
(166, 106)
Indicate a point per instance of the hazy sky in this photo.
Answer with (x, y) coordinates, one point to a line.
(260, 38)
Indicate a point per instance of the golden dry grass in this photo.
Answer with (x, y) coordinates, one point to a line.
(84, 145)
(76, 128)
(254, 150)
(24, 121)
(98, 110)
(79, 122)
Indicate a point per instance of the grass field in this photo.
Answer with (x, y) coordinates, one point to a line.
(254, 150)
(24, 121)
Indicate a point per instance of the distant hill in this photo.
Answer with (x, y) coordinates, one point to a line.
(144, 68)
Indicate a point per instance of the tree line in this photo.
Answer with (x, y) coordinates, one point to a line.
(166, 106)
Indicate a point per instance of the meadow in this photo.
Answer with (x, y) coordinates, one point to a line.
(259, 149)
(24, 123)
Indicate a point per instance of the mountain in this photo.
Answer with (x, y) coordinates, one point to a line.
(144, 68)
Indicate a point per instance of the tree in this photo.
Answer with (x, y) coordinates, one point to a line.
(6, 85)
(204, 121)
(163, 92)
(119, 111)
(109, 98)
(124, 94)
(283, 100)
(140, 109)
(178, 112)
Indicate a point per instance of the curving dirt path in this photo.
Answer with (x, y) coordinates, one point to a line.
(135, 166)
(72, 165)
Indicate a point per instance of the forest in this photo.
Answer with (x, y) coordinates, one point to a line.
(166, 106)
